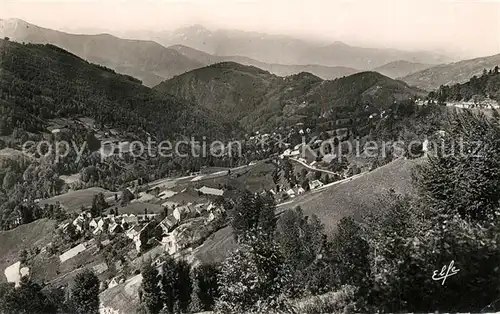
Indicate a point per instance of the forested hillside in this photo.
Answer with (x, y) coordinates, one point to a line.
(40, 82)
(477, 88)
(258, 99)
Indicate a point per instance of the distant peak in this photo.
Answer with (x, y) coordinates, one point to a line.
(339, 44)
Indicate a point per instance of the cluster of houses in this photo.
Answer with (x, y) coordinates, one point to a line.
(176, 238)
(108, 224)
(175, 235)
(313, 185)
(487, 103)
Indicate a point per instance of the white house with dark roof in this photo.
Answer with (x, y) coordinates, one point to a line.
(183, 212)
(210, 191)
(315, 184)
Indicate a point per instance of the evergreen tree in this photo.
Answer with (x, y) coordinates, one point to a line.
(98, 205)
(253, 278)
(168, 279)
(205, 288)
(468, 159)
(350, 254)
(182, 286)
(150, 292)
(85, 293)
(27, 298)
(127, 196)
(252, 212)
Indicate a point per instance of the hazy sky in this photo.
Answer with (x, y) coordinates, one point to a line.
(467, 26)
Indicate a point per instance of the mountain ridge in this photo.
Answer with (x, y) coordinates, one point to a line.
(401, 68)
(451, 73)
(283, 49)
(257, 99)
(144, 59)
(325, 72)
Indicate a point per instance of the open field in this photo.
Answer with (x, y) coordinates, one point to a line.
(216, 247)
(254, 178)
(138, 208)
(73, 201)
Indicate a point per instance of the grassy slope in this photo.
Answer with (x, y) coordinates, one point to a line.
(36, 234)
(358, 196)
(74, 200)
(123, 297)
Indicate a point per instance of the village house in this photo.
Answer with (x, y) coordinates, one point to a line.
(113, 282)
(168, 224)
(93, 224)
(315, 184)
(78, 223)
(169, 204)
(115, 228)
(201, 208)
(129, 219)
(133, 232)
(146, 217)
(72, 252)
(166, 194)
(170, 244)
(178, 239)
(100, 268)
(101, 222)
(183, 212)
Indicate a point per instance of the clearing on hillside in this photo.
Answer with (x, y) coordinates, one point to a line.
(359, 195)
(73, 201)
(25, 237)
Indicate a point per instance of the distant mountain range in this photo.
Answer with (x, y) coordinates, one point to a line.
(284, 49)
(258, 99)
(145, 60)
(195, 47)
(452, 73)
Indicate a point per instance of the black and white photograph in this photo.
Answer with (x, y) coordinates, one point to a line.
(249, 156)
